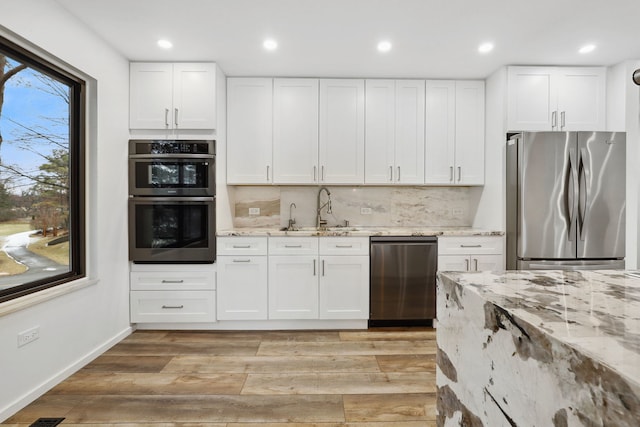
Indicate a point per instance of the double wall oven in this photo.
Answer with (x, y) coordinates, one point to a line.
(172, 201)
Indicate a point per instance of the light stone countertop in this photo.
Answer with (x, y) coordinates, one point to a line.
(362, 231)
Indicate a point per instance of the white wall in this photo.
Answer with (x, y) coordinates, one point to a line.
(491, 198)
(77, 326)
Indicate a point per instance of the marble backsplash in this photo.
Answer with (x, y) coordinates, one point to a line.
(390, 206)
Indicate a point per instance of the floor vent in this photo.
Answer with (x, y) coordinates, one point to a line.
(47, 422)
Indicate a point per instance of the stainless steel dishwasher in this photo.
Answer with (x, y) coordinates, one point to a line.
(403, 280)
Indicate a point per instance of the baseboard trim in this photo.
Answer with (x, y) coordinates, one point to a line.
(56, 379)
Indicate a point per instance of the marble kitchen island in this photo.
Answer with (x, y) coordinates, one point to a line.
(538, 348)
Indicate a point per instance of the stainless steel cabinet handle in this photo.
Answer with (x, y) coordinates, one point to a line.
(267, 172)
(475, 261)
(322, 267)
(451, 173)
(241, 246)
(172, 306)
(466, 265)
(398, 174)
(166, 117)
(315, 175)
(314, 267)
(322, 173)
(390, 173)
(241, 260)
(175, 121)
(554, 119)
(459, 173)
(172, 281)
(470, 246)
(292, 246)
(344, 246)
(562, 120)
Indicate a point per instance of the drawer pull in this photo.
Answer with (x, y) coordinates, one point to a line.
(344, 246)
(241, 246)
(172, 306)
(470, 246)
(172, 281)
(292, 246)
(241, 260)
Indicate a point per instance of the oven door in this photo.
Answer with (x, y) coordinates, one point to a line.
(172, 229)
(172, 176)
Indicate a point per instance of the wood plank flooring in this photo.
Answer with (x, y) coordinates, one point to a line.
(374, 378)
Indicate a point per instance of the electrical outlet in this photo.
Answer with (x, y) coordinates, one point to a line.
(254, 211)
(365, 211)
(458, 212)
(28, 336)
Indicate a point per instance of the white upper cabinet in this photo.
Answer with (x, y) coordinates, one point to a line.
(172, 96)
(556, 98)
(394, 131)
(341, 131)
(454, 139)
(469, 164)
(295, 131)
(250, 130)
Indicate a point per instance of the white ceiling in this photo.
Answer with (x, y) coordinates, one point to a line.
(330, 38)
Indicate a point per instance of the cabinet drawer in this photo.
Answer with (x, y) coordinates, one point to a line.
(344, 246)
(172, 306)
(293, 245)
(242, 245)
(455, 245)
(172, 281)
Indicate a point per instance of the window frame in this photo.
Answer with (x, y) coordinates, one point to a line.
(77, 171)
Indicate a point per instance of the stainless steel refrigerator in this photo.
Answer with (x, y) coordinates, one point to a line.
(565, 200)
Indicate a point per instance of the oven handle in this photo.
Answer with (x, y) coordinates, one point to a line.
(150, 200)
(175, 156)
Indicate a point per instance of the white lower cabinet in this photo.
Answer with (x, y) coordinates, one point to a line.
(242, 278)
(293, 287)
(344, 287)
(471, 253)
(174, 294)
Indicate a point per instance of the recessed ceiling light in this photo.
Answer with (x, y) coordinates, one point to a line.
(384, 46)
(485, 47)
(270, 44)
(165, 44)
(587, 48)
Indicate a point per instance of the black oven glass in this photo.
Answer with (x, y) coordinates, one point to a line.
(172, 226)
(171, 174)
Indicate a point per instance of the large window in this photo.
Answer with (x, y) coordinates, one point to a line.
(41, 174)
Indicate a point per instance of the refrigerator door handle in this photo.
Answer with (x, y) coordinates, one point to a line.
(570, 186)
(583, 180)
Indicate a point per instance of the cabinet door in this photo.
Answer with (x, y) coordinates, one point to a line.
(469, 155)
(453, 263)
(344, 287)
(409, 139)
(250, 130)
(242, 288)
(486, 262)
(581, 98)
(150, 95)
(194, 96)
(295, 131)
(531, 98)
(380, 125)
(440, 114)
(341, 131)
(293, 287)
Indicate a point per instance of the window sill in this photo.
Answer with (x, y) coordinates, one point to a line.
(27, 301)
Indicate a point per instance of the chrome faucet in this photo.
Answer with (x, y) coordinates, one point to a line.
(291, 220)
(322, 223)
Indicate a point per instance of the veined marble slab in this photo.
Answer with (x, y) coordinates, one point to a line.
(539, 348)
(363, 231)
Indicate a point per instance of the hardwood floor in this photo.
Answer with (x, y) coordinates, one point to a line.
(371, 378)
